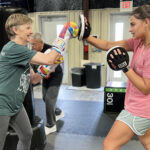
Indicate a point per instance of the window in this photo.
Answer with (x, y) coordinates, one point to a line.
(118, 31)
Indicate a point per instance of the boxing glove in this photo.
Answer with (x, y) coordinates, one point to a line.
(70, 30)
(45, 70)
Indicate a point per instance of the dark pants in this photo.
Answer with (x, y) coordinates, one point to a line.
(50, 95)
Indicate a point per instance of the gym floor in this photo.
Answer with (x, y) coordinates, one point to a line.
(72, 141)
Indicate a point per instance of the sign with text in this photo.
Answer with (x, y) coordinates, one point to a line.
(126, 5)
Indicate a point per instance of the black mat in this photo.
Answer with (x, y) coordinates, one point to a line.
(81, 117)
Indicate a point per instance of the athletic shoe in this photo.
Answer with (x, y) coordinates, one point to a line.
(58, 117)
(57, 111)
(49, 130)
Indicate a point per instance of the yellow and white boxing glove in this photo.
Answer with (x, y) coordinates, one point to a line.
(45, 70)
(70, 30)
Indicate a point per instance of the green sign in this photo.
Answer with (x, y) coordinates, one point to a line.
(117, 90)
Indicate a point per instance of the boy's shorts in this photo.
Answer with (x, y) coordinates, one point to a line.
(138, 125)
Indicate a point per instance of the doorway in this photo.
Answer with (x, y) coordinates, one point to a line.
(50, 27)
(119, 30)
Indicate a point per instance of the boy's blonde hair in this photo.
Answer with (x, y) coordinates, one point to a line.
(15, 20)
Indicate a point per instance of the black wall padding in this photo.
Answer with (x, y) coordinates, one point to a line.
(98, 4)
(4, 14)
(62, 5)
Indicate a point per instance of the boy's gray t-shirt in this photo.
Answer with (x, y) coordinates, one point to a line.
(14, 77)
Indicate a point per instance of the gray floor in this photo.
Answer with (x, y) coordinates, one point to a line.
(62, 141)
(76, 93)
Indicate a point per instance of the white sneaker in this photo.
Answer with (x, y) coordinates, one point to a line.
(58, 117)
(50, 130)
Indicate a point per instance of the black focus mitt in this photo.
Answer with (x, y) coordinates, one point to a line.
(84, 28)
(118, 59)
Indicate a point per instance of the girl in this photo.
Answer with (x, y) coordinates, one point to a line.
(135, 118)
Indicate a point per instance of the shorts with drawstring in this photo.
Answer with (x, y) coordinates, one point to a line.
(138, 125)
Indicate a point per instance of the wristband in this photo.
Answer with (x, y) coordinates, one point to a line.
(59, 45)
(126, 69)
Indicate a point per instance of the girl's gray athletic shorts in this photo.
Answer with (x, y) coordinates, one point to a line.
(138, 125)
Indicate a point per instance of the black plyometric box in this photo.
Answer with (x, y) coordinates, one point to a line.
(38, 141)
(114, 95)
